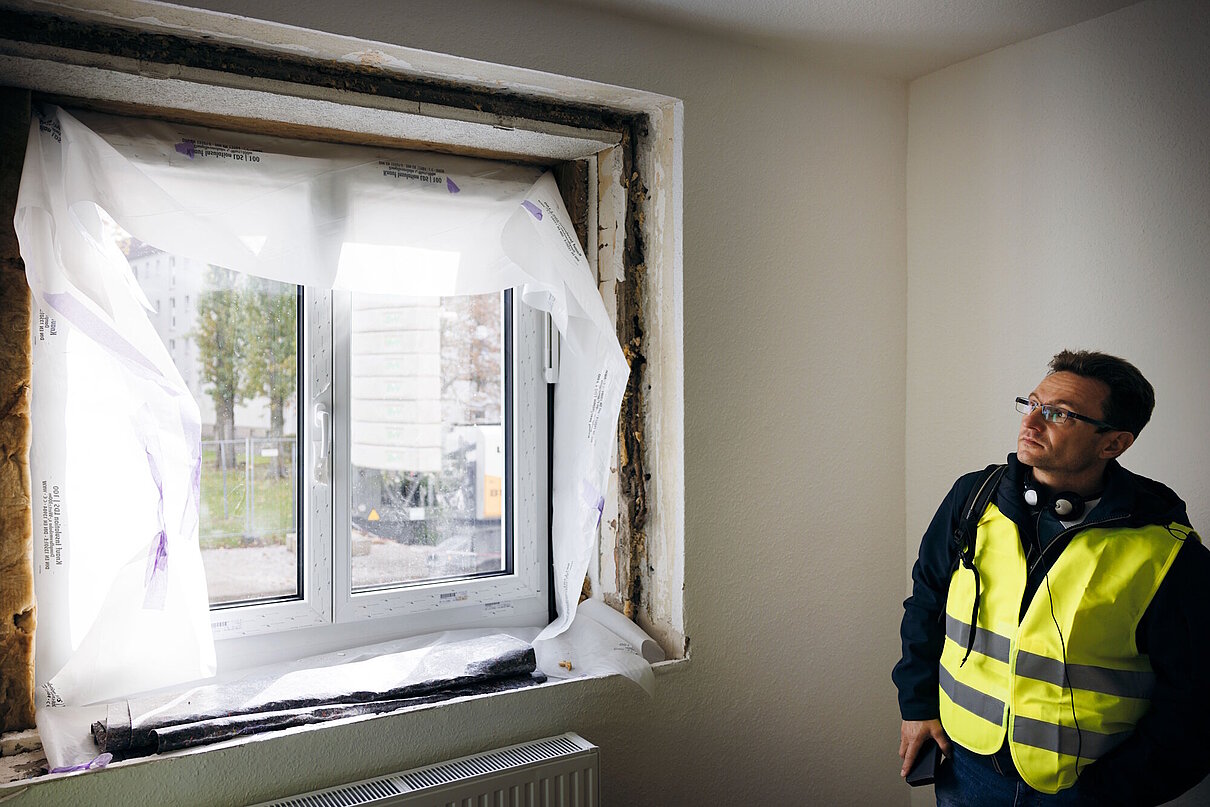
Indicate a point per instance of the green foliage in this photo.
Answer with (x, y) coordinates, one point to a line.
(247, 339)
(271, 333)
(221, 339)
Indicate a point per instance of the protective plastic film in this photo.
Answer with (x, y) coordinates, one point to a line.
(114, 460)
(122, 596)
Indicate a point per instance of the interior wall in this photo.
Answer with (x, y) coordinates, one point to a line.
(1058, 192)
(794, 309)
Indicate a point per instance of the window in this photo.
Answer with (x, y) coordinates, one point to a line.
(533, 118)
(373, 441)
(440, 484)
(625, 133)
(364, 457)
(424, 431)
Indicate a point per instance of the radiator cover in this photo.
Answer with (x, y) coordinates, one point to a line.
(557, 771)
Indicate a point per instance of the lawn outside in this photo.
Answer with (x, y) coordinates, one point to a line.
(229, 516)
(244, 572)
(249, 537)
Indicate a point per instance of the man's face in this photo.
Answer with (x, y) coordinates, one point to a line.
(1071, 447)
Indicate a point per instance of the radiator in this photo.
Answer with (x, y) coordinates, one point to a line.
(557, 771)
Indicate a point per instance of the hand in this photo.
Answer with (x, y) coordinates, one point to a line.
(912, 735)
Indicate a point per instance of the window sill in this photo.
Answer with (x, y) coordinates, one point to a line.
(577, 688)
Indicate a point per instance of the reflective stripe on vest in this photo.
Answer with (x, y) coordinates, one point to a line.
(1119, 683)
(971, 699)
(1069, 694)
(986, 642)
(1064, 739)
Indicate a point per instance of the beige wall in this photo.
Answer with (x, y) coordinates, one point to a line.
(1059, 196)
(794, 305)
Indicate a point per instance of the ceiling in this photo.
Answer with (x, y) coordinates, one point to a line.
(899, 38)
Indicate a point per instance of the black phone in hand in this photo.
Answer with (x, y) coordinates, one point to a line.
(928, 762)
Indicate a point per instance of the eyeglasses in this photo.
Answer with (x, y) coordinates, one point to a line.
(1053, 414)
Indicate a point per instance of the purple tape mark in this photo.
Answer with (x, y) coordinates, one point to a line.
(97, 762)
(155, 580)
(185, 147)
(533, 209)
(451, 186)
(97, 330)
(593, 499)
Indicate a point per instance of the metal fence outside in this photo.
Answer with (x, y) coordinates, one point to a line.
(249, 491)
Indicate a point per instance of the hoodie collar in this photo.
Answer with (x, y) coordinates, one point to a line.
(1126, 494)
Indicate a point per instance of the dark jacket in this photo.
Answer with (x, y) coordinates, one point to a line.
(1169, 751)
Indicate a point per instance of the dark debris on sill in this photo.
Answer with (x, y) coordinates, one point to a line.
(21, 756)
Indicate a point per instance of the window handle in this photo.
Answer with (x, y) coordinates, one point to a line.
(323, 444)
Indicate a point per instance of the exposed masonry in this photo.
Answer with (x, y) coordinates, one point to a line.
(38, 28)
(572, 179)
(632, 478)
(630, 550)
(17, 613)
(42, 29)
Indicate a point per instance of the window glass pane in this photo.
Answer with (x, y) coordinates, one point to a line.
(428, 453)
(234, 340)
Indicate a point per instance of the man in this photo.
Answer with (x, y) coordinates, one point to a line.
(1059, 652)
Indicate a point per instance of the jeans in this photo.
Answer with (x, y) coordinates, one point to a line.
(968, 780)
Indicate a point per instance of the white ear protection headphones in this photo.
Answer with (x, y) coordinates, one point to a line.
(1066, 505)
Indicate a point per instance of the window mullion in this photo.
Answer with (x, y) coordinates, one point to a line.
(320, 381)
(341, 546)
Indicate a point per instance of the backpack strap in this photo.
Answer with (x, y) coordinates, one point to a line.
(964, 537)
(976, 503)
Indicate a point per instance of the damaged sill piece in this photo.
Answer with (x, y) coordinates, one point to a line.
(21, 756)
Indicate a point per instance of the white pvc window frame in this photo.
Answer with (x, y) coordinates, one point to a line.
(475, 600)
(326, 608)
(313, 605)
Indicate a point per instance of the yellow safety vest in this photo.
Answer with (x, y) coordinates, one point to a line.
(1022, 677)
